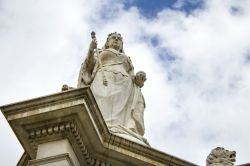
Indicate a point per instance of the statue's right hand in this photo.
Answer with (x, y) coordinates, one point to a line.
(93, 44)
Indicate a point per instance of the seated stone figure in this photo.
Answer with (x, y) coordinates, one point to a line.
(116, 88)
(221, 157)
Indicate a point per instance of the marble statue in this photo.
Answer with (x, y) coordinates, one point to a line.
(117, 90)
(221, 157)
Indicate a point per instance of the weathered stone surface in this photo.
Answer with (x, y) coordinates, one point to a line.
(57, 160)
(55, 148)
(221, 157)
(74, 115)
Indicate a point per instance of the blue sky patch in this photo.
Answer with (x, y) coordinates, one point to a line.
(150, 8)
(154, 41)
(166, 56)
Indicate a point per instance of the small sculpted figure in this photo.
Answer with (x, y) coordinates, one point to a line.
(221, 157)
(117, 90)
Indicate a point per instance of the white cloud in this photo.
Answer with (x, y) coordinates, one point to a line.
(194, 103)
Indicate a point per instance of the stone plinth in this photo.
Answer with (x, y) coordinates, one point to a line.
(57, 152)
(67, 128)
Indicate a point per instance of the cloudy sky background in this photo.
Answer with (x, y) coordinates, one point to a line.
(196, 55)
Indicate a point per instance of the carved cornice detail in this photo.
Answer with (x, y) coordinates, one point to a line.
(66, 127)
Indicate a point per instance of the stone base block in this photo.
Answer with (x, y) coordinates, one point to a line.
(58, 160)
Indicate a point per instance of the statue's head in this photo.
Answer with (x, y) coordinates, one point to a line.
(114, 40)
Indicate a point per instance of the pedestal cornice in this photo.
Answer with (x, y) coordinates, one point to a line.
(74, 115)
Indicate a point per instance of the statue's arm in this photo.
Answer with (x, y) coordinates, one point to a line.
(90, 60)
(87, 67)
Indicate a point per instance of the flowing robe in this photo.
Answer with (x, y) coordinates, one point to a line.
(121, 101)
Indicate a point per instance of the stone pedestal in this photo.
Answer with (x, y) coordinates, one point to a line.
(67, 129)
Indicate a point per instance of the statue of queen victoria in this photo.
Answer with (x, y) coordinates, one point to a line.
(117, 90)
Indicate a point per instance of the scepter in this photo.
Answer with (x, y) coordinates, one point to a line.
(105, 82)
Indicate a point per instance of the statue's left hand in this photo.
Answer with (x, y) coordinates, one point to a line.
(140, 78)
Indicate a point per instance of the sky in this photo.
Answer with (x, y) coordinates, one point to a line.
(196, 54)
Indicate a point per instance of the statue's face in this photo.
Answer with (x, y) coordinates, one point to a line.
(115, 42)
